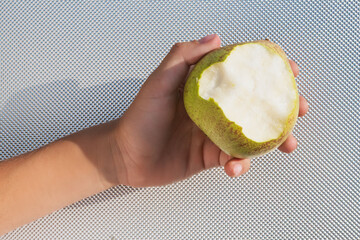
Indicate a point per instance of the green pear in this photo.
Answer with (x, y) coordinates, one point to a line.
(243, 97)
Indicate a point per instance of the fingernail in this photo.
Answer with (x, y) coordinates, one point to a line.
(207, 38)
(237, 170)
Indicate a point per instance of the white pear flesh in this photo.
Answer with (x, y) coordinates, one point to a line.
(253, 89)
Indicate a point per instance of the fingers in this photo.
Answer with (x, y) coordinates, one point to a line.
(186, 54)
(236, 167)
(174, 68)
(294, 67)
(303, 106)
(289, 145)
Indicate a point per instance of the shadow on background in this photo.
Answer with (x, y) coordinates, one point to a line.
(105, 196)
(40, 114)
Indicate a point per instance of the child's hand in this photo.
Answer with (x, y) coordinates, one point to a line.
(156, 143)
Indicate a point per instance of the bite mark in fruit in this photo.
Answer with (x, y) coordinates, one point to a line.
(243, 97)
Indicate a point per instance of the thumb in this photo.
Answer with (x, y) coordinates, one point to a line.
(175, 67)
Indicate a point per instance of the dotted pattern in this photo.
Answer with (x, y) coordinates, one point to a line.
(66, 66)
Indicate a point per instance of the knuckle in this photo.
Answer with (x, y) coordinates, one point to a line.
(177, 47)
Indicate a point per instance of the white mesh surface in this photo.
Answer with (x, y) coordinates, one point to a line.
(69, 66)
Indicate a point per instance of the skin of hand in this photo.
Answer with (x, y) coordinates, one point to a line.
(156, 143)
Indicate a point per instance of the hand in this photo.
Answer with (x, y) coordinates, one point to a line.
(156, 143)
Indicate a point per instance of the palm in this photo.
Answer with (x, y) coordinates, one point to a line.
(166, 144)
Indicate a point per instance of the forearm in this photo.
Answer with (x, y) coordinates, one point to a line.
(38, 183)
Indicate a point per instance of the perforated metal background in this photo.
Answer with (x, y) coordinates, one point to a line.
(67, 65)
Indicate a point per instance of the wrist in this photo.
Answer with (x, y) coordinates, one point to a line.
(98, 143)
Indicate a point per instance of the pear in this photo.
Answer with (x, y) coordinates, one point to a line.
(243, 97)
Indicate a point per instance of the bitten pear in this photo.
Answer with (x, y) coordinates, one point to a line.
(243, 97)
